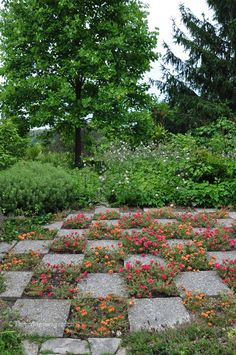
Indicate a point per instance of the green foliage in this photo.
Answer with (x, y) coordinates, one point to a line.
(35, 187)
(202, 88)
(86, 62)
(12, 146)
(88, 187)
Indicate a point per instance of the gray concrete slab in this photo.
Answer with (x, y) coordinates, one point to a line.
(157, 313)
(6, 247)
(222, 255)
(42, 317)
(54, 225)
(16, 282)
(71, 232)
(65, 346)
(104, 209)
(232, 214)
(227, 222)
(103, 284)
(101, 346)
(57, 259)
(113, 244)
(39, 246)
(30, 348)
(147, 259)
(207, 282)
(165, 220)
(177, 241)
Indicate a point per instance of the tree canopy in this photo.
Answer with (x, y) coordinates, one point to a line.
(63, 60)
(203, 87)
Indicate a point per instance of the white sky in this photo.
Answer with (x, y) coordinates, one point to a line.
(161, 13)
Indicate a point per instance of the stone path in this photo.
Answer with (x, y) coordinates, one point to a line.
(48, 317)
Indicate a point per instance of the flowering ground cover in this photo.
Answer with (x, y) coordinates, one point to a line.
(72, 243)
(101, 230)
(39, 234)
(79, 221)
(95, 318)
(20, 262)
(151, 280)
(103, 259)
(55, 281)
(124, 280)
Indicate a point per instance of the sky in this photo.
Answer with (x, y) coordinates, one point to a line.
(161, 13)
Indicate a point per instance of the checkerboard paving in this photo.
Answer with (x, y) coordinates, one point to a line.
(49, 316)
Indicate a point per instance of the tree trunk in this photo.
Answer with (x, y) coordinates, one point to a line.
(78, 147)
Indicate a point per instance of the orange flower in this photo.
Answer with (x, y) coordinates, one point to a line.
(110, 272)
(83, 312)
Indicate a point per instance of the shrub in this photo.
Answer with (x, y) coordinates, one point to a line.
(36, 187)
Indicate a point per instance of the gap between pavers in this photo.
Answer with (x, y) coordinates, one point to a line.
(207, 282)
(67, 259)
(157, 313)
(111, 222)
(220, 256)
(39, 246)
(71, 232)
(42, 316)
(101, 285)
(112, 244)
(16, 282)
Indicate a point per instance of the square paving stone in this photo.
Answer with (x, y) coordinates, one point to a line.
(6, 247)
(104, 209)
(101, 285)
(57, 259)
(39, 246)
(222, 255)
(77, 232)
(101, 346)
(132, 230)
(207, 282)
(227, 222)
(232, 215)
(177, 241)
(157, 313)
(55, 225)
(144, 260)
(30, 348)
(42, 317)
(113, 244)
(1, 256)
(16, 282)
(165, 220)
(65, 346)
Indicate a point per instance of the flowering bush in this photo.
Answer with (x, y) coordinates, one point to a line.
(56, 281)
(216, 239)
(199, 219)
(108, 215)
(72, 243)
(164, 212)
(227, 272)
(103, 259)
(135, 220)
(151, 280)
(143, 242)
(192, 255)
(173, 230)
(77, 222)
(98, 317)
(215, 311)
(14, 262)
(101, 230)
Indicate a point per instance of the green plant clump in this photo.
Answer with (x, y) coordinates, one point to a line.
(36, 187)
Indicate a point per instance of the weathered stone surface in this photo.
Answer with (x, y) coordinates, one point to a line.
(30, 348)
(101, 346)
(204, 210)
(64, 346)
(42, 317)
(165, 220)
(157, 313)
(113, 244)
(232, 215)
(147, 259)
(71, 232)
(207, 282)
(39, 246)
(74, 215)
(101, 284)
(57, 259)
(16, 282)
(55, 225)
(177, 241)
(227, 222)
(1, 256)
(6, 247)
(121, 351)
(222, 255)
(104, 209)
(132, 230)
